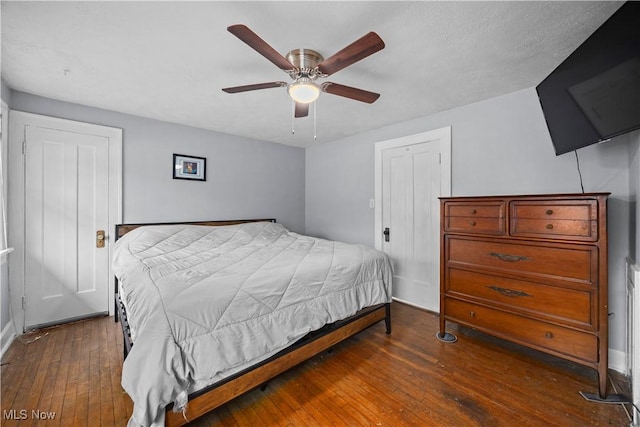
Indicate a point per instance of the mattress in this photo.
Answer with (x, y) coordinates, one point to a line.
(206, 302)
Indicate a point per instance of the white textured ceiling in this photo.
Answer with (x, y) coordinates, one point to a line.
(170, 60)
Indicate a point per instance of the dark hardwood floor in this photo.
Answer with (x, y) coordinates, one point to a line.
(405, 379)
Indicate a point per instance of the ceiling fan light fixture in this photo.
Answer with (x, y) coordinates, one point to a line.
(303, 91)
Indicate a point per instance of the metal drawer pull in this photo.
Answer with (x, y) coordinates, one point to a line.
(548, 335)
(473, 211)
(509, 292)
(549, 212)
(509, 258)
(472, 223)
(549, 226)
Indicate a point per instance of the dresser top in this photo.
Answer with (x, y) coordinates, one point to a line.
(530, 196)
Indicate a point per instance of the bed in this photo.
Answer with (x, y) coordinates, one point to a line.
(213, 309)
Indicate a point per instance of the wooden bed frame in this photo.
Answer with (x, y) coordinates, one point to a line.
(219, 393)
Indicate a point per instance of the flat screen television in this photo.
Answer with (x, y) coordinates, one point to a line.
(594, 95)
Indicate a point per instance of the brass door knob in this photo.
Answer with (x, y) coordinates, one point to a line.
(100, 236)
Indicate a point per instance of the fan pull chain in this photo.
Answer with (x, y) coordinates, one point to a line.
(315, 107)
(293, 118)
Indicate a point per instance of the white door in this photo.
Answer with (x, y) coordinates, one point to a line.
(57, 202)
(66, 209)
(414, 172)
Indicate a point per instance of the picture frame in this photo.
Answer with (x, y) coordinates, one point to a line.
(189, 167)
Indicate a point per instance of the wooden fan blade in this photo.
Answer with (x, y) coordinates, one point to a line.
(361, 48)
(254, 41)
(256, 86)
(350, 92)
(302, 110)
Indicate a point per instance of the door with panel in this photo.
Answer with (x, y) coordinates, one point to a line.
(411, 185)
(66, 219)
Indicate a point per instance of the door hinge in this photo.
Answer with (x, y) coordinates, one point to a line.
(439, 158)
(24, 302)
(24, 147)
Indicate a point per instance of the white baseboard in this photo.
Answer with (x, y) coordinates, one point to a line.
(618, 361)
(6, 337)
(414, 305)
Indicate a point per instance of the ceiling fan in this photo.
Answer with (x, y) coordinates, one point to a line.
(306, 66)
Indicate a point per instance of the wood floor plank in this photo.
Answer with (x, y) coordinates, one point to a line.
(31, 387)
(60, 384)
(367, 395)
(106, 384)
(339, 397)
(406, 378)
(286, 398)
(291, 415)
(410, 386)
(73, 358)
(248, 413)
(431, 382)
(322, 399)
(48, 369)
(81, 415)
(14, 368)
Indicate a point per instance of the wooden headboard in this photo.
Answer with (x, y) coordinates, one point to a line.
(122, 229)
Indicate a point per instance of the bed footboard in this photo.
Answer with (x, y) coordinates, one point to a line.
(225, 390)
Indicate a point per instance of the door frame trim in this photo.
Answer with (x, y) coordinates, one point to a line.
(18, 121)
(443, 135)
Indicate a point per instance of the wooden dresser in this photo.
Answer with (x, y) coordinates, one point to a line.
(529, 269)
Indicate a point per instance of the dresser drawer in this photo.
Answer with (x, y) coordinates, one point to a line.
(477, 217)
(475, 209)
(542, 301)
(555, 229)
(575, 262)
(568, 220)
(461, 224)
(570, 343)
(585, 210)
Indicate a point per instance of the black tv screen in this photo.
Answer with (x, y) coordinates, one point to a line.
(594, 94)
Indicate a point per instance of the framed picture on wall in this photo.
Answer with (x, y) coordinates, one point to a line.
(189, 167)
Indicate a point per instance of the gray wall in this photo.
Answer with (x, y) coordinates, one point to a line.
(5, 93)
(499, 146)
(245, 178)
(339, 184)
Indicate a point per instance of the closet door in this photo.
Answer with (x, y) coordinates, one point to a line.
(411, 222)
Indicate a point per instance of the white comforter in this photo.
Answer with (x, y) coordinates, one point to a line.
(206, 302)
